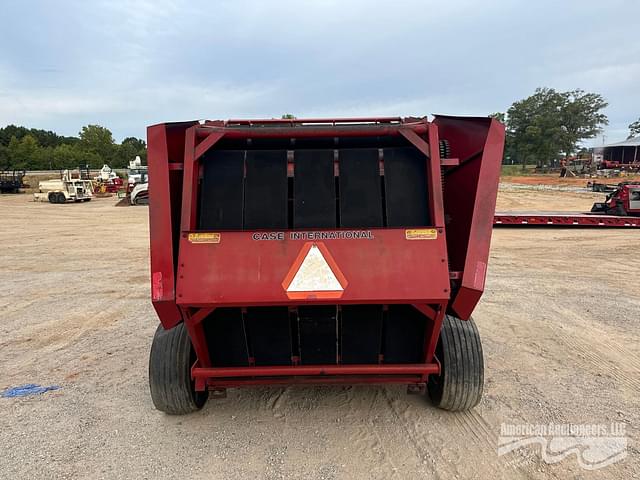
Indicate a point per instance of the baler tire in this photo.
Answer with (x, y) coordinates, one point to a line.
(170, 361)
(460, 384)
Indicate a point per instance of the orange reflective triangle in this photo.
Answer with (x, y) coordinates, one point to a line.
(314, 274)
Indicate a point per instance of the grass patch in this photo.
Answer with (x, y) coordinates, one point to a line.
(515, 170)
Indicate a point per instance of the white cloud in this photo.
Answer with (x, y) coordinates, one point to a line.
(134, 108)
(38, 105)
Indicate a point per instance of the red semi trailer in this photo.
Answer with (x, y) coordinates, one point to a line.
(320, 251)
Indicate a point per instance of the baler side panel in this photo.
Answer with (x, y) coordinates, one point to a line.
(470, 192)
(165, 143)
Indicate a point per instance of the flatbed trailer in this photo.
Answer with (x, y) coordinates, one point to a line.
(563, 219)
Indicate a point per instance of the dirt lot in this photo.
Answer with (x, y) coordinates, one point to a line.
(559, 322)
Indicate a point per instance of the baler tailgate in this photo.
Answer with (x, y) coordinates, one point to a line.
(381, 266)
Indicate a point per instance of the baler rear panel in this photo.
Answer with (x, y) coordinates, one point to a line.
(316, 251)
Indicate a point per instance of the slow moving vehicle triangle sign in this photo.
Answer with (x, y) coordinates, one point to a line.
(314, 275)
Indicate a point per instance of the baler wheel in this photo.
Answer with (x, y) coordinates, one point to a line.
(170, 361)
(459, 386)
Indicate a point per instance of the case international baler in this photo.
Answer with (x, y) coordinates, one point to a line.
(341, 251)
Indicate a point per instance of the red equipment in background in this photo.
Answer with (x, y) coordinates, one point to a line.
(620, 209)
(113, 185)
(623, 201)
(320, 251)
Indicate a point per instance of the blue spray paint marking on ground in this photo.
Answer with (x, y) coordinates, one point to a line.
(28, 389)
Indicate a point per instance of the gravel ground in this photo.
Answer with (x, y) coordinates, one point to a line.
(559, 322)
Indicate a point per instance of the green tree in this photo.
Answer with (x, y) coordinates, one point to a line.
(129, 149)
(548, 124)
(26, 153)
(581, 118)
(65, 156)
(134, 143)
(45, 138)
(634, 129)
(4, 157)
(500, 116)
(288, 116)
(99, 141)
(71, 156)
(34, 149)
(532, 127)
(11, 131)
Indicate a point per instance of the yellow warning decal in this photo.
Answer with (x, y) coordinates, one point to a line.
(421, 234)
(204, 237)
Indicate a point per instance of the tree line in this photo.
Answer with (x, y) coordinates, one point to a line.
(24, 148)
(541, 129)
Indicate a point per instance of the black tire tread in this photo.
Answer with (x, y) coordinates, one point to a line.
(460, 385)
(172, 389)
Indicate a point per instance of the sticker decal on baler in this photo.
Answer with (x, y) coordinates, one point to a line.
(421, 234)
(314, 275)
(204, 237)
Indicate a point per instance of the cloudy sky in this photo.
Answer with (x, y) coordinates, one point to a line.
(126, 65)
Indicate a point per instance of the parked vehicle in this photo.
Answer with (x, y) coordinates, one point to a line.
(624, 200)
(140, 193)
(137, 173)
(11, 181)
(65, 189)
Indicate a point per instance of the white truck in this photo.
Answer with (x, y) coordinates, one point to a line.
(136, 172)
(65, 189)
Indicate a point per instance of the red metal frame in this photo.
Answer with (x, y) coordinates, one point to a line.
(438, 273)
(165, 146)
(308, 121)
(470, 192)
